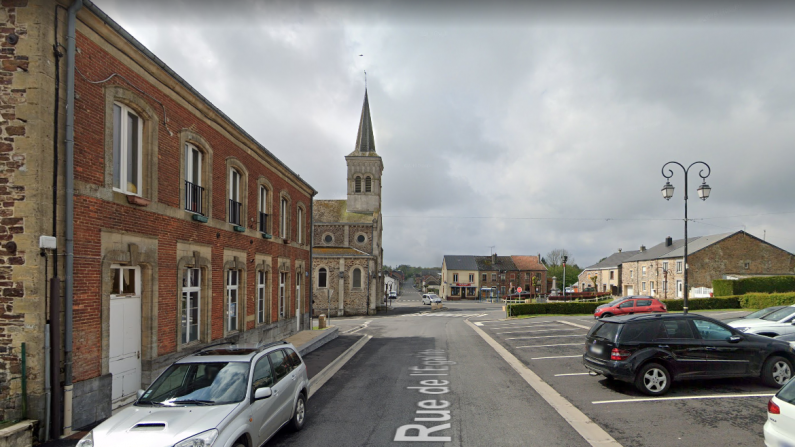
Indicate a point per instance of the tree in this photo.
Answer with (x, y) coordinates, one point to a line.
(555, 257)
(595, 286)
(572, 272)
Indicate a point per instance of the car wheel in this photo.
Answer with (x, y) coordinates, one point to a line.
(607, 314)
(653, 379)
(299, 416)
(776, 372)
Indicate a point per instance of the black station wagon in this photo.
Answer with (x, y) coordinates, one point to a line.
(651, 351)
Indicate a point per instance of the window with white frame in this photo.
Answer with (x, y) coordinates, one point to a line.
(232, 290)
(643, 270)
(191, 295)
(125, 282)
(262, 287)
(455, 277)
(643, 286)
(235, 206)
(471, 277)
(493, 276)
(282, 292)
(631, 274)
(284, 209)
(127, 150)
(665, 266)
(194, 192)
(262, 205)
(678, 266)
(357, 278)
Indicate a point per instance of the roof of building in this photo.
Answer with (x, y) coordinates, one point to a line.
(503, 263)
(460, 262)
(337, 211)
(528, 263)
(337, 251)
(697, 244)
(365, 141)
(613, 260)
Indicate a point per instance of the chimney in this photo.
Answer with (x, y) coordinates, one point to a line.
(669, 241)
(494, 258)
(642, 248)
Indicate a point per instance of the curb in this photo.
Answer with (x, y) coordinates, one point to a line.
(320, 379)
(328, 335)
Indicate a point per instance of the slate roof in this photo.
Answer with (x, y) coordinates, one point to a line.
(613, 260)
(503, 263)
(337, 251)
(337, 211)
(528, 263)
(677, 248)
(365, 141)
(462, 262)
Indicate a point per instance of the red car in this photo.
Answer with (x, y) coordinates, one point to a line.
(629, 305)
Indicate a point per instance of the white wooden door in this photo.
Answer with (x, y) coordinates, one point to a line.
(630, 290)
(125, 348)
(679, 289)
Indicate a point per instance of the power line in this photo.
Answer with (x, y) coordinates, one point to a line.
(631, 219)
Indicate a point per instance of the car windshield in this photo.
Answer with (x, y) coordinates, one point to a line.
(210, 383)
(604, 330)
(787, 394)
(761, 313)
(780, 314)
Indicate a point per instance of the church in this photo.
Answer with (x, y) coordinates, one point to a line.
(347, 251)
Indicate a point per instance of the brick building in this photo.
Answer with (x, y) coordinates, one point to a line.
(607, 273)
(659, 270)
(347, 262)
(473, 277)
(174, 227)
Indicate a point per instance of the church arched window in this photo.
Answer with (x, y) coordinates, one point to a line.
(357, 184)
(357, 278)
(368, 184)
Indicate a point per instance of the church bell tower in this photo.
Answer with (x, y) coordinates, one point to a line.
(364, 168)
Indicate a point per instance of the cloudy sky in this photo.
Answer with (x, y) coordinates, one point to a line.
(515, 127)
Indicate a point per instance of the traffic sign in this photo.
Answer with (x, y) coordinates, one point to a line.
(519, 289)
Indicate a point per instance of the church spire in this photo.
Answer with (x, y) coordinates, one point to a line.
(365, 142)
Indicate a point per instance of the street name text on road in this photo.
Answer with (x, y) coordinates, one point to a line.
(434, 363)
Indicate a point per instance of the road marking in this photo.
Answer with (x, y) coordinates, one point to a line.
(557, 357)
(574, 324)
(479, 323)
(547, 346)
(545, 336)
(527, 332)
(328, 372)
(358, 328)
(592, 433)
(573, 374)
(714, 396)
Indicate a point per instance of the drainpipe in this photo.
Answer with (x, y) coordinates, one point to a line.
(70, 212)
(311, 261)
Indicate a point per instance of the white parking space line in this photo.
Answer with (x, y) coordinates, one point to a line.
(591, 432)
(556, 357)
(714, 396)
(545, 336)
(548, 346)
(479, 323)
(513, 323)
(574, 324)
(499, 328)
(573, 374)
(541, 330)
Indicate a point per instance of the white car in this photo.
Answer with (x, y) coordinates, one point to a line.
(222, 396)
(430, 298)
(774, 324)
(780, 426)
(393, 295)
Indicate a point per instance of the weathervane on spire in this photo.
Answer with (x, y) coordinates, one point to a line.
(365, 79)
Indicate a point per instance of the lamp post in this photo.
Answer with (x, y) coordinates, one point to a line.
(703, 193)
(565, 258)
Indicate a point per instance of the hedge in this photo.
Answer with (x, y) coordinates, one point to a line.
(747, 301)
(766, 284)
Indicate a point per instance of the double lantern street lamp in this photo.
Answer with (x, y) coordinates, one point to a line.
(703, 193)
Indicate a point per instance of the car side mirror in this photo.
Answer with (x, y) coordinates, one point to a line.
(735, 339)
(263, 393)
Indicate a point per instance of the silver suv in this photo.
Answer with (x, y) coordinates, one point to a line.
(222, 396)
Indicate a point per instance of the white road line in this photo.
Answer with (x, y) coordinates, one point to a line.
(499, 328)
(547, 346)
(511, 323)
(545, 336)
(479, 324)
(542, 330)
(557, 357)
(328, 372)
(591, 432)
(714, 396)
(573, 374)
(574, 324)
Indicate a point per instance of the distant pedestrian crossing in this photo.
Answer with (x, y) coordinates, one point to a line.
(444, 314)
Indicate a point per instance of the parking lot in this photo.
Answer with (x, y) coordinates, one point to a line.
(727, 412)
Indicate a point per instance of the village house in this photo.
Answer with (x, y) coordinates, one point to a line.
(607, 273)
(139, 222)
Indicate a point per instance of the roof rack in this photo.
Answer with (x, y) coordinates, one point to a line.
(271, 344)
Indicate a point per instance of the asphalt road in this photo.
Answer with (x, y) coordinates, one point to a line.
(375, 394)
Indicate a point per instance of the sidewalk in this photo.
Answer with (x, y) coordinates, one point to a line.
(305, 342)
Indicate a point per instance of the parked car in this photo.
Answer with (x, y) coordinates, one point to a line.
(779, 322)
(629, 305)
(761, 313)
(652, 351)
(226, 395)
(789, 338)
(780, 426)
(393, 295)
(430, 298)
